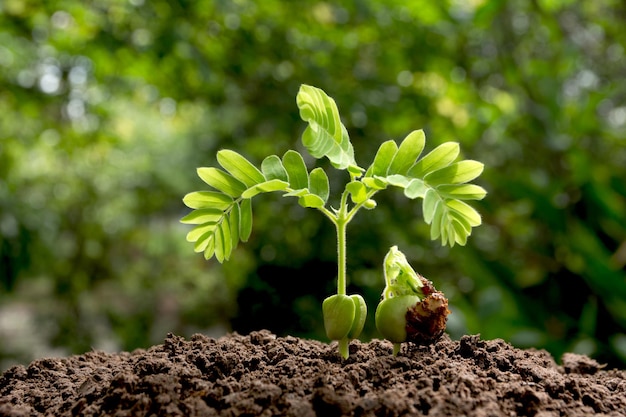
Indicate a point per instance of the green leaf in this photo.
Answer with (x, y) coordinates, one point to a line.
(202, 216)
(239, 167)
(223, 242)
(203, 242)
(466, 211)
(296, 170)
(265, 187)
(311, 200)
(457, 173)
(207, 199)
(318, 184)
(383, 158)
(233, 221)
(442, 156)
(462, 191)
(435, 225)
(325, 135)
(375, 183)
(429, 205)
(358, 192)
(209, 251)
(415, 189)
(461, 220)
(245, 220)
(297, 193)
(196, 233)
(460, 234)
(222, 181)
(408, 152)
(398, 180)
(273, 169)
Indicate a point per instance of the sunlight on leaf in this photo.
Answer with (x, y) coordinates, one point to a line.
(239, 167)
(245, 220)
(222, 181)
(201, 216)
(296, 170)
(408, 152)
(273, 169)
(457, 173)
(383, 158)
(207, 199)
(325, 135)
(318, 184)
(442, 156)
(265, 187)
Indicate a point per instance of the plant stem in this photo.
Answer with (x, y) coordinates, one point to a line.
(341, 222)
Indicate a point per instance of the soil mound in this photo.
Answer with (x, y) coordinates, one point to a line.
(264, 375)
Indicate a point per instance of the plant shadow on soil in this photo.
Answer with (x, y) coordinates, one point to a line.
(261, 374)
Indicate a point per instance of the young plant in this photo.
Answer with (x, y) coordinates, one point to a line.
(411, 310)
(223, 216)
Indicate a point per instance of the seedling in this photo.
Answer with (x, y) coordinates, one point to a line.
(411, 308)
(223, 216)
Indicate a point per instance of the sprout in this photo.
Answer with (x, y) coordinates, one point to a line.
(411, 309)
(222, 216)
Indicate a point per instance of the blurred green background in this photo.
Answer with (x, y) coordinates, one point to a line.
(107, 107)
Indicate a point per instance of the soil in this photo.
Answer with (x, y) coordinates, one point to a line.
(264, 375)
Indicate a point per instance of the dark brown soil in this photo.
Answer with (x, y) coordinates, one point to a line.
(264, 375)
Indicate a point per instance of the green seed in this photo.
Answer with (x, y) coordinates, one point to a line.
(339, 312)
(391, 317)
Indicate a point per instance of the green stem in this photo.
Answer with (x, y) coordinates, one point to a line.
(340, 224)
(343, 347)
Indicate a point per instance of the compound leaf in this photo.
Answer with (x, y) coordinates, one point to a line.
(239, 167)
(325, 135)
